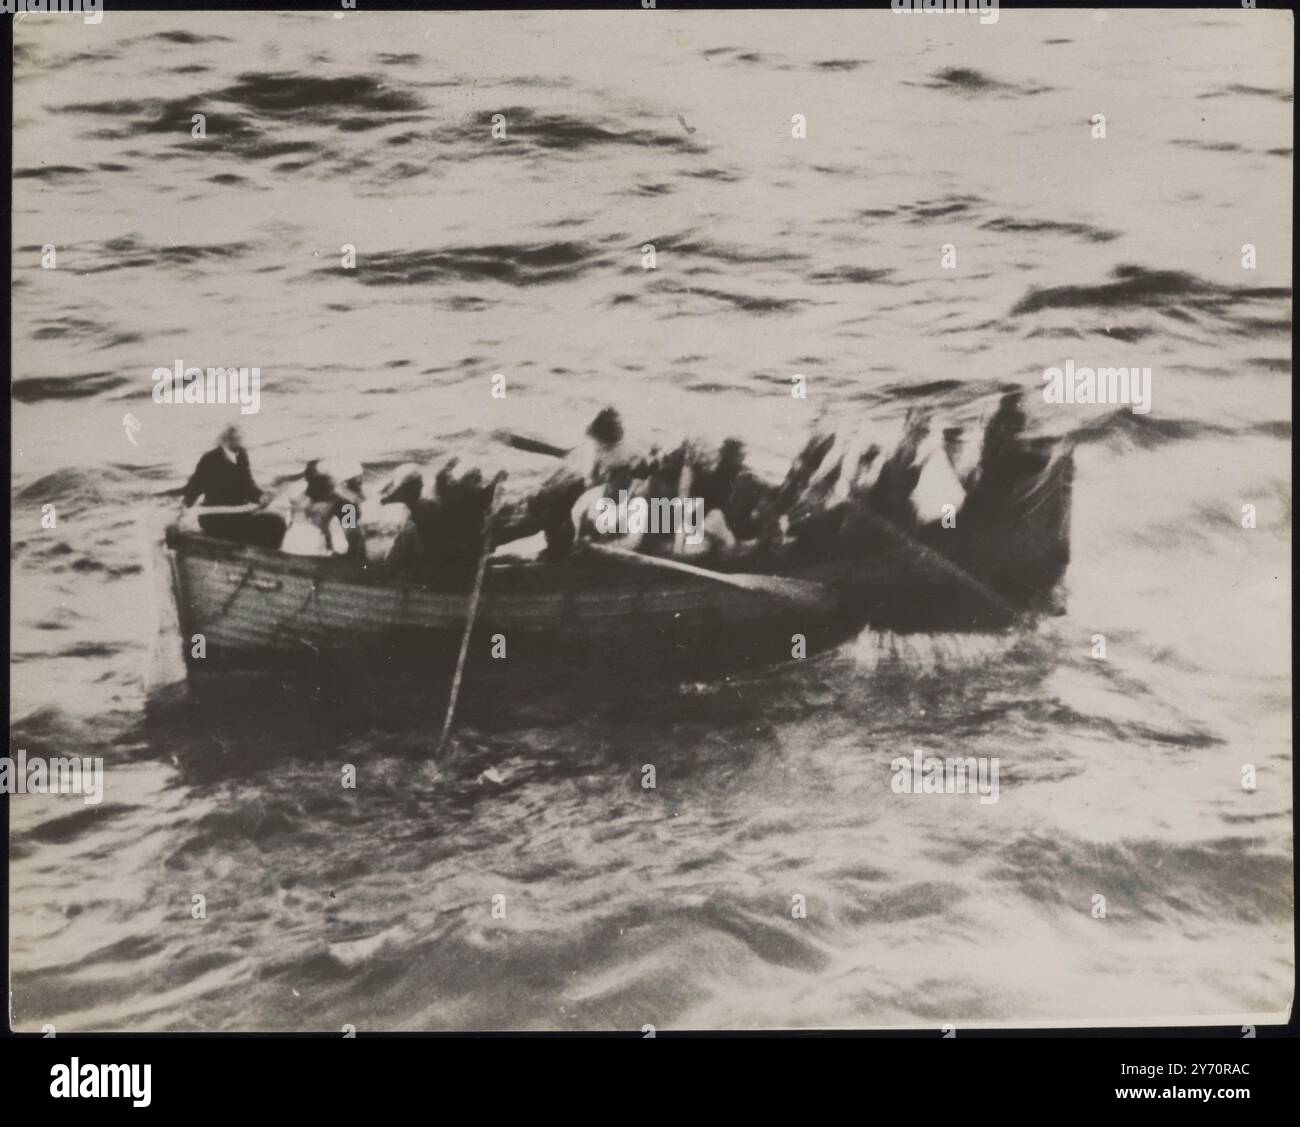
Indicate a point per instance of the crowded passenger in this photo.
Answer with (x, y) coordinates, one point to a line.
(603, 459)
(314, 527)
(346, 476)
(912, 478)
(446, 530)
(406, 487)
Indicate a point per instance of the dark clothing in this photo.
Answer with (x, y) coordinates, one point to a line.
(548, 510)
(446, 533)
(348, 513)
(1009, 461)
(806, 463)
(461, 524)
(219, 481)
(750, 510)
(262, 530)
(425, 539)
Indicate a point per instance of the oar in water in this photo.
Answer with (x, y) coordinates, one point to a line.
(801, 592)
(939, 560)
(470, 614)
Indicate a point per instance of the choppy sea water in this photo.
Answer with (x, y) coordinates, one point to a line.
(821, 256)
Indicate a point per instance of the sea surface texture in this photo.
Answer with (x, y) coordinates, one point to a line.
(774, 255)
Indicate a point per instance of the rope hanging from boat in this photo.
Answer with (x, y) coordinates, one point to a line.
(230, 602)
(282, 629)
(471, 613)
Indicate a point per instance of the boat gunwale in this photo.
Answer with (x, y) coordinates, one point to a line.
(590, 572)
(587, 572)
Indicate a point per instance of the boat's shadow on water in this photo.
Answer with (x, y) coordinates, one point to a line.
(239, 725)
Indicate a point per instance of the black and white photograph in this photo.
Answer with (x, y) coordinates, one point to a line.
(650, 520)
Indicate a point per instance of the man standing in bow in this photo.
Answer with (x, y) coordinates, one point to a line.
(223, 478)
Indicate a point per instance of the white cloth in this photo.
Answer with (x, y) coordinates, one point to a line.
(304, 539)
(937, 486)
(305, 536)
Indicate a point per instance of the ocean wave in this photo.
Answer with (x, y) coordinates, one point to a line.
(528, 128)
(515, 265)
(1140, 286)
(969, 80)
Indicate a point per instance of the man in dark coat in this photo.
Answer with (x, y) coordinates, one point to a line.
(224, 477)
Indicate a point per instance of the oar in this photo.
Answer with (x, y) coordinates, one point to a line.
(179, 490)
(470, 615)
(939, 560)
(531, 445)
(226, 510)
(801, 592)
(524, 442)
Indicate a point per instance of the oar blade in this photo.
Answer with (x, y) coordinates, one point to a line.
(799, 591)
